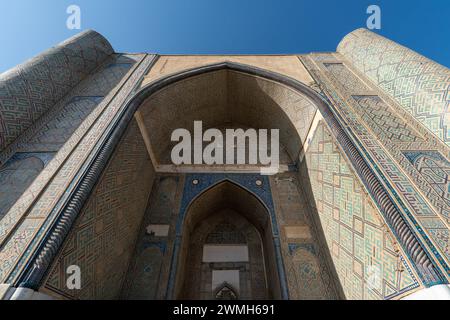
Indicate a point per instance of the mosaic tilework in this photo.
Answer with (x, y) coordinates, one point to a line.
(49, 138)
(102, 240)
(69, 112)
(403, 179)
(309, 277)
(71, 156)
(308, 268)
(145, 279)
(57, 131)
(346, 78)
(419, 85)
(368, 263)
(383, 121)
(435, 169)
(17, 175)
(102, 82)
(29, 90)
(148, 270)
(64, 123)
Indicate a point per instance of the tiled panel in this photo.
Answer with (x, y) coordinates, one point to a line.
(383, 121)
(59, 129)
(346, 78)
(148, 270)
(308, 268)
(368, 263)
(384, 133)
(105, 79)
(29, 90)
(434, 168)
(50, 138)
(80, 103)
(17, 175)
(58, 175)
(102, 240)
(419, 85)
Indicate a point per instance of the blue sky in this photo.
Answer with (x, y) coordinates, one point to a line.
(28, 27)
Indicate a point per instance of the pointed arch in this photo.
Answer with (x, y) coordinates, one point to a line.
(415, 250)
(225, 95)
(242, 193)
(226, 292)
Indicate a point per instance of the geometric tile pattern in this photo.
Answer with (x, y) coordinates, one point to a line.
(61, 124)
(148, 269)
(26, 222)
(308, 267)
(101, 241)
(435, 169)
(30, 89)
(80, 103)
(368, 263)
(59, 129)
(382, 121)
(99, 83)
(419, 85)
(17, 175)
(308, 277)
(384, 135)
(86, 97)
(104, 80)
(346, 78)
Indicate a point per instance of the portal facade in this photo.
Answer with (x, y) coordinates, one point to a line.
(359, 208)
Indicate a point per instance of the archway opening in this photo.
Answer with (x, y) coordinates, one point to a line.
(227, 249)
(225, 99)
(159, 267)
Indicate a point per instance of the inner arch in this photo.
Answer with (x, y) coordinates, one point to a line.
(227, 98)
(227, 219)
